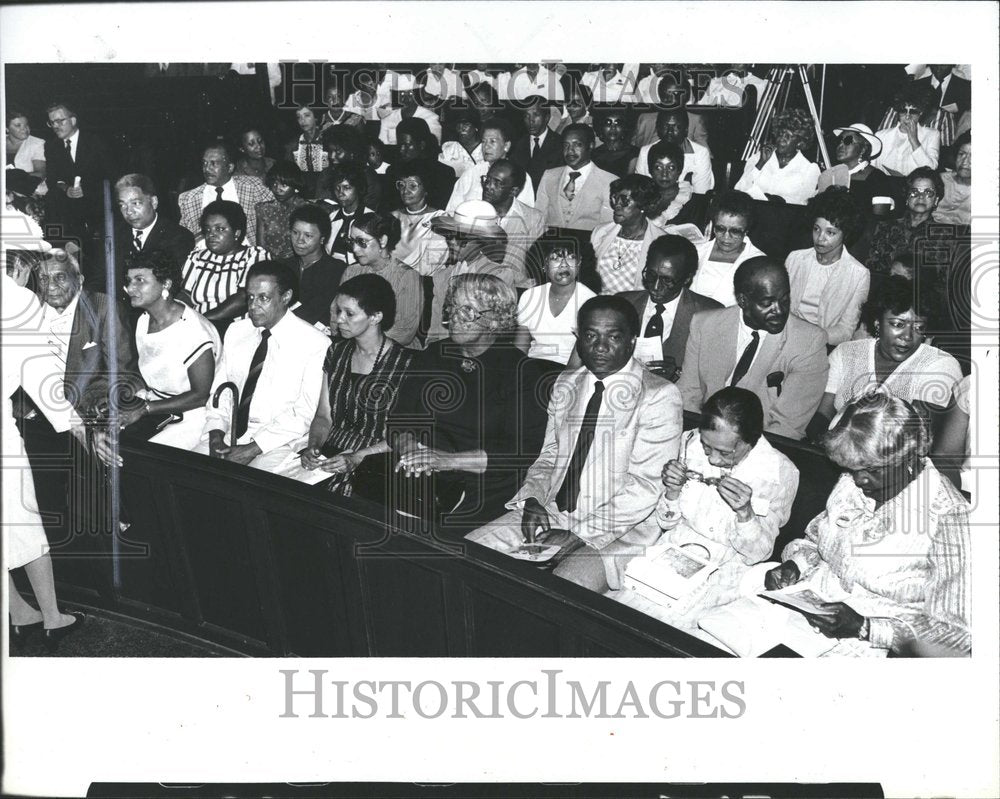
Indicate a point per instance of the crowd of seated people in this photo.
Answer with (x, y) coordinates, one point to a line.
(487, 300)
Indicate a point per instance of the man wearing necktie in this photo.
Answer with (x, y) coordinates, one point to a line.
(146, 229)
(276, 362)
(541, 147)
(756, 344)
(612, 425)
(667, 305)
(218, 167)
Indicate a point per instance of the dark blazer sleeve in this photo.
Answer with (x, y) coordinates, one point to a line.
(171, 238)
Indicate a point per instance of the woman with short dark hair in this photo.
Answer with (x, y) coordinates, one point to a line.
(616, 152)
(726, 497)
(361, 377)
(908, 144)
(892, 237)
(286, 182)
(415, 142)
(892, 551)
(828, 285)
(461, 148)
(620, 246)
(347, 184)
(733, 218)
(956, 203)
(319, 273)
(306, 151)
(899, 360)
(665, 162)
(253, 160)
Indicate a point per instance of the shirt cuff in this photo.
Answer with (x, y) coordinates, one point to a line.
(880, 632)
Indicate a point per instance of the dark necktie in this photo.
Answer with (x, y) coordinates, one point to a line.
(569, 190)
(218, 192)
(570, 488)
(534, 150)
(654, 327)
(69, 149)
(743, 365)
(137, 241)
(256, 365)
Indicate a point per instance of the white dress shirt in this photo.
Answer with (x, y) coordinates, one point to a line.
(520, 86)
(284, 401)
(48, 369)
(470, 187)
(618, 88)
(651, 349)
(448, 85)
(898, 154)
(209, 195)
(744, 335)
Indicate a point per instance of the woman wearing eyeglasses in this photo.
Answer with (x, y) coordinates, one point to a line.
(620, 246)
(718, 258)
(899, 360)
(480, 407)
(546, 314)
(924, 189)
(373, 239)
(419, 246)
(415, 142)
(909, 144)
(729, 492)
(891, 551)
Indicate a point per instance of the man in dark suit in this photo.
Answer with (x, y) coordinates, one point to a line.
(541, 148)
(146, 229)
(757, 345)
(76, 164)
(666, 306)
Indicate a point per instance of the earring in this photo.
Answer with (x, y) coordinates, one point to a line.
(165, 294)
(878, 329)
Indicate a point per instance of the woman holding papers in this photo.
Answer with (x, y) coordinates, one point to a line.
(893, 543)
(726, 496)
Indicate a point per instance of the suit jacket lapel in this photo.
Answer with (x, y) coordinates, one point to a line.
(762, 365)
(725, 337)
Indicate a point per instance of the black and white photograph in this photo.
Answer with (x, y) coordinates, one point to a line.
(388, 424)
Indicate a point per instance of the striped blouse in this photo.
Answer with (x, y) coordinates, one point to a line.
(360, 404)
(212, 279)
(905, 565)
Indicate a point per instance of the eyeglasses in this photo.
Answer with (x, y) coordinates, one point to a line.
(464, 313)
(908, 110)
(493, 183)
(564, 257)
(621, 200)
(360, 243)
(409, 185)
(652, 280)
(737, 232)
(928, 193)
(54, 123)
(849, 138)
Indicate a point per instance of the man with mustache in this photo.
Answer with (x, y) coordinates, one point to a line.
(757, 345)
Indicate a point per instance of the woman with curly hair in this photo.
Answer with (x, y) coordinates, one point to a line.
(909, 144)
(891, 551)
(894, 237)
(479, 399)
(898, 361)
(665, 163)
(779, 172)
(620, 246)
(828, 284)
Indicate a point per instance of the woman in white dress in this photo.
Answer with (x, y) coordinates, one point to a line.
(546, 314)
(178, 349)
(27, 545)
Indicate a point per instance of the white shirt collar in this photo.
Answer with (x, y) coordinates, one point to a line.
(861, 165)
(584, 173)
(145, 231)
(746, 332)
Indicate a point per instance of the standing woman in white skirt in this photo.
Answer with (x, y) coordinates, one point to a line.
(27, 545)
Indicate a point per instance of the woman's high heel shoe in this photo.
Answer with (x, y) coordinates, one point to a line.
(19, 632)
(53, 637)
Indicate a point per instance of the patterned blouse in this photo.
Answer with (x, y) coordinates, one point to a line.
(212, 279)
(893, 238)
(619, 266)
(272, 221)
(360, 404)
(905, 565)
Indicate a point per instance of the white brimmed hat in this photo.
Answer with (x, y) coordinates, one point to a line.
(866, 132)
(473, 218)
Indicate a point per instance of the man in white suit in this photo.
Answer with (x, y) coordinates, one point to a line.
(757, 345)
(612, 425)
(576, 196)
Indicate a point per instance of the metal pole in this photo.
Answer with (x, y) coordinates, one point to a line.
(113, 378)
(812, 110)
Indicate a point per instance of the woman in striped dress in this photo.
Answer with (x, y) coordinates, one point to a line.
(215, 277)
(363, 370)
